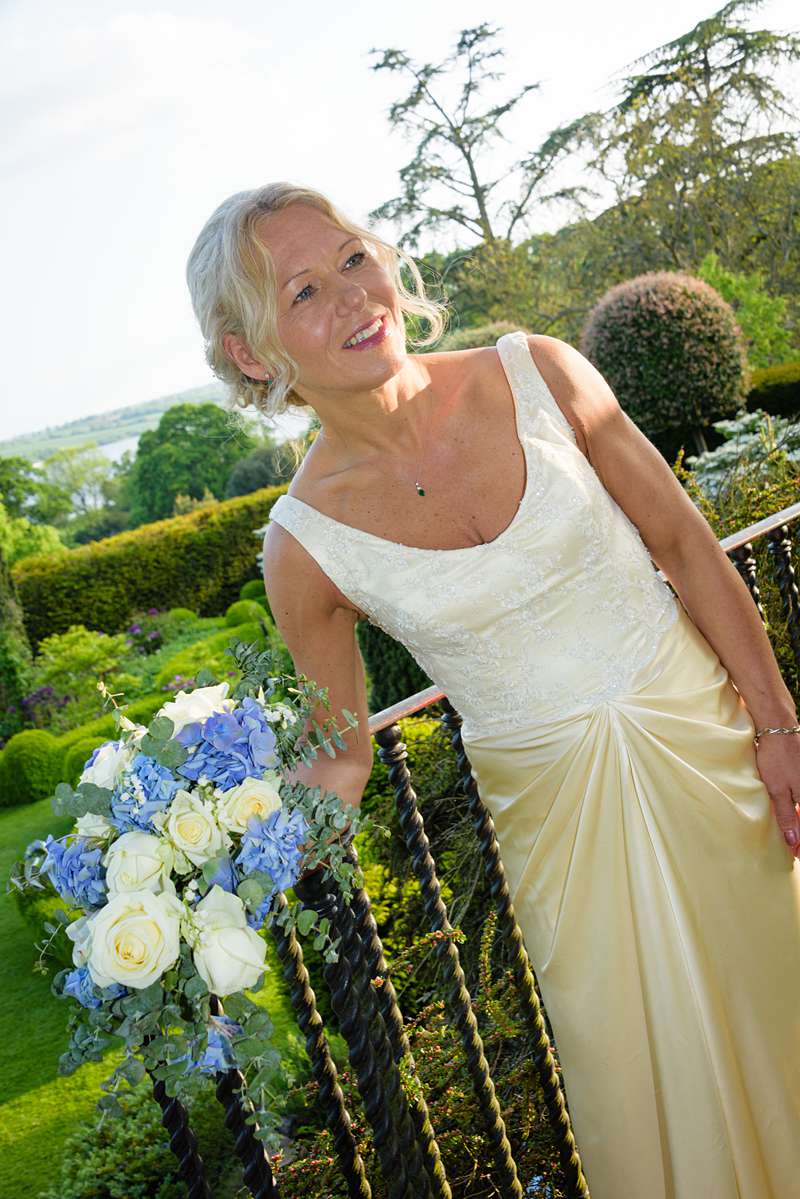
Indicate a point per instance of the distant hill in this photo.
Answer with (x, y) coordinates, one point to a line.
(106, 427)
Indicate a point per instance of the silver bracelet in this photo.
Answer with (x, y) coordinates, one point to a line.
(760, 733)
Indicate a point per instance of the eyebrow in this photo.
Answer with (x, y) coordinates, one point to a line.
(307, 269)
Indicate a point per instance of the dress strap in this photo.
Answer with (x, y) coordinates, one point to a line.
(526, 381)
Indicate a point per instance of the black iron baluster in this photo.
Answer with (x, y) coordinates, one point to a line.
(370, 1053)
(533, 1008)
(182, 1142)
(322, 1064)
(745, 562)
(779, 546)
(393, 1019)
(250, 1151)
(393, 752)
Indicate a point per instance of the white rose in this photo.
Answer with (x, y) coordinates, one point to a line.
(138, 861)
(189, 706)
(229, 956)
(252, 797)
(110, 762)
(134, 939)
(95, 827)
(193, 830)
(80, 934)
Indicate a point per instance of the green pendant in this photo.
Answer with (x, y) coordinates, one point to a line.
(420, 490)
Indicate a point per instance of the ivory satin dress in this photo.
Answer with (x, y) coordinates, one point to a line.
(658, 901)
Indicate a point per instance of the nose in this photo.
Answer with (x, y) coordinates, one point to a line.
(350, 296)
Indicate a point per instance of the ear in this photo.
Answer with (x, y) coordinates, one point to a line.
(238, 352)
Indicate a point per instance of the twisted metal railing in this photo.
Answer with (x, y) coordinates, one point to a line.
(370, 1019)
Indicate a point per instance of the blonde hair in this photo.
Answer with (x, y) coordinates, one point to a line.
(233, 287)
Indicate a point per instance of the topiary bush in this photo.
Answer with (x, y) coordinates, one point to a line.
(671, 350)
(30, 767)
(243, 611)
(253, 589)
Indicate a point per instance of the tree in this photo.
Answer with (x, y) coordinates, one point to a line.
(20, 538)
(15, 654)
(72, 483)
(265, 466)
(194, 447)
(447, 161)
(761, 317)
(18, 485)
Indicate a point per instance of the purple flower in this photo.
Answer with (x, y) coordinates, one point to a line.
(76, 871)
(145, 789)
(134, 628)
(273, 845)
(152, 611)
(229, 746)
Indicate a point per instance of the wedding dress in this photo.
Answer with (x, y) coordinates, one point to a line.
(658, 901)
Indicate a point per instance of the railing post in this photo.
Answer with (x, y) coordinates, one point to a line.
(532, 1007)
(361, 1023)
(393, 752)
(745, 562)
(322, 1064)
(779, 546)
(182, 1142)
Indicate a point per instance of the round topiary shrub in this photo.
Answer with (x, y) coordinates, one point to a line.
(30, 767)
(671, 351)
(243, 611)
(253, 589)
(183, 615)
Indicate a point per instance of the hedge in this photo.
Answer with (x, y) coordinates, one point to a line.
(198, 561)
(776, 389)
(30, 767)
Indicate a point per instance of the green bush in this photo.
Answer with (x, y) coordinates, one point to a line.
(103, 728)
(15, 655)
(182, 615)
(776, 389)
(198, 560)
(30, 767)
(253, 589)
(243, 611)
(477, 336)
(671, 350)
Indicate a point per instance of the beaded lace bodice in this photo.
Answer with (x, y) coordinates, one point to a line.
(558, 612)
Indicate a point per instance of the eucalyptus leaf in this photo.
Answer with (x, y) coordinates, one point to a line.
(171, 755)
(205, 678)
(306, 921)
(161, 728)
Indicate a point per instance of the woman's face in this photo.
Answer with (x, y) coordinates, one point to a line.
(330, 285)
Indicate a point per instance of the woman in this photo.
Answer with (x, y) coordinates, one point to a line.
(609, 724)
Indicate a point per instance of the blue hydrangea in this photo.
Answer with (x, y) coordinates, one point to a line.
(225, 876)
(78, 984)
(218, 1054)
(76, 871)
(144, 789)
(229, 747)
(273, 844)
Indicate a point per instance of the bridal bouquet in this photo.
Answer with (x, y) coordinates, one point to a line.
(185, 836)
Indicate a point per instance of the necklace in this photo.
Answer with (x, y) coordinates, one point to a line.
(417, 484)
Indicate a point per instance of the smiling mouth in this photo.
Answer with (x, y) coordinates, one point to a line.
(371, 335)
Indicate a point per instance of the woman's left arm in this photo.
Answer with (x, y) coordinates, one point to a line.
(685, 548)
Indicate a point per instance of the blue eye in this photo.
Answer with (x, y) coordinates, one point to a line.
(308, 287)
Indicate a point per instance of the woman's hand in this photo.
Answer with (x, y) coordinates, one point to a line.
(778, 761)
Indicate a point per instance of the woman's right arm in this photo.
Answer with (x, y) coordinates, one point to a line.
(319, 630)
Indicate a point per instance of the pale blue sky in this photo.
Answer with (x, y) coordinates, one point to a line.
(127, 123)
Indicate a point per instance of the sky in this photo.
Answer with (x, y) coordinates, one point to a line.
(126, 124)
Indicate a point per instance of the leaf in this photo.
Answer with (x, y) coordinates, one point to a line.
(133, 1070)
(195, 988)
(161, 728)
(306, 920)
(350, 718)
(171, 754)
(205, 678)
(251, 892)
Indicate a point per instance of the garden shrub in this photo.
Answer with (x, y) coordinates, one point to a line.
(15, 655)
(72, 663)
(671, 350)
(103, 728)
(475, 337)
(242, 611)
(30, 767)
(182, 615)
(199, 560)
(776, 389)
(252, 589)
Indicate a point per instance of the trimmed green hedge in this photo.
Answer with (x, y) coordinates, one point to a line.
(242, 612)
(198, 561)
(776, 389)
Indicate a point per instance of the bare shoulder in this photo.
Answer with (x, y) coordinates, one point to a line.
(294, 579)
(580, 391)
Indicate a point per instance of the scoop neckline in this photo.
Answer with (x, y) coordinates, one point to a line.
(456, 549)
